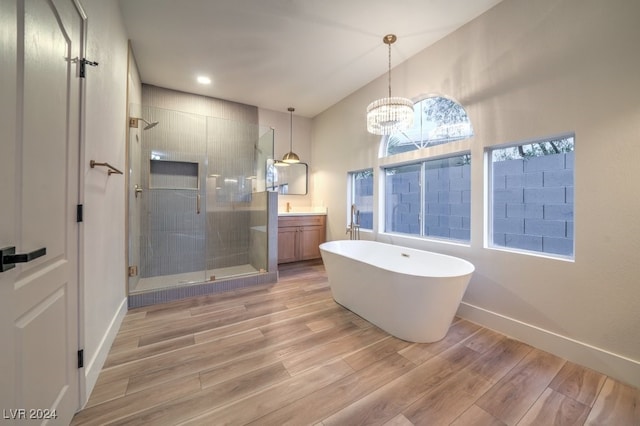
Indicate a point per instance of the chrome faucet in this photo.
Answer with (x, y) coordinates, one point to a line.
(354, 227)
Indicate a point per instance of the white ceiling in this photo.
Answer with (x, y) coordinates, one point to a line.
(308, 54)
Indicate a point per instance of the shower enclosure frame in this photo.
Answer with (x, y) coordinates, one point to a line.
(186, 175)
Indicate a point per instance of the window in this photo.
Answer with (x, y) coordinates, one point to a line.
(430, 198)
(402, 199)
(437, 120)
(361, 195)
(448, 198)
(532, 196)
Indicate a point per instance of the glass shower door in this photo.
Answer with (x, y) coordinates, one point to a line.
(198, 209)
(232, 151)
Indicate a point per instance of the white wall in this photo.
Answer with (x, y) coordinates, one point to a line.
(103, 240)
(524, 70)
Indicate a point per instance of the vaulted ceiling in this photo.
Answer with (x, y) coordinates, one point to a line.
(308, 54)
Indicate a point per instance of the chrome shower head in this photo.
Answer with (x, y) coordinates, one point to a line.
(149, 125)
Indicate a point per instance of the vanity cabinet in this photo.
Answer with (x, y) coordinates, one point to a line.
(300, 236)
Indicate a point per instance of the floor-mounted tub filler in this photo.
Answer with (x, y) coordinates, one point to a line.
(411, 294)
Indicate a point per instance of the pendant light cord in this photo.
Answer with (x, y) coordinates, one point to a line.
(389, 69)
(291, 129)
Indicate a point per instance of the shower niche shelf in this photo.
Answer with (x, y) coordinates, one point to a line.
(167, 174)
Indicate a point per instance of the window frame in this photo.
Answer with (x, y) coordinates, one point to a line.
(422, 163)
(351, 175)
(452, 148)
(489, 200)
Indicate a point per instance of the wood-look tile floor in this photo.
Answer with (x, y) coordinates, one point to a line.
(286, 353)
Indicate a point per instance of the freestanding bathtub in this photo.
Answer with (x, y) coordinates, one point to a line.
(411, 294)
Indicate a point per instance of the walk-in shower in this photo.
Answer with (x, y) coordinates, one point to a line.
(198, 206)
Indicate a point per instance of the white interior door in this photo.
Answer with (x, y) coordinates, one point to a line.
(40, 118)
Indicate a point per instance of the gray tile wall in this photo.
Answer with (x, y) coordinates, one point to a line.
(219, 137)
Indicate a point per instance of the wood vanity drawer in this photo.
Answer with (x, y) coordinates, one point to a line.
(315, 220)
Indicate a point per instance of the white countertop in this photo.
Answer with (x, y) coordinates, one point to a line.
(302, 213)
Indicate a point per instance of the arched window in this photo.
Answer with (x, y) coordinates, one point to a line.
(429, 197)
(437, 120)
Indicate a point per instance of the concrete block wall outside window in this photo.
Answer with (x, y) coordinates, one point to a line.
(362, 196)
(431, 198)
(402, 199)
(532, 199)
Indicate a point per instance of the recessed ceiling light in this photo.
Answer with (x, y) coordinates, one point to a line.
(204, 79)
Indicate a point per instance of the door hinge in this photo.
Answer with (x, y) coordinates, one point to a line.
(83, 63)
(79, 213)
(81, 358)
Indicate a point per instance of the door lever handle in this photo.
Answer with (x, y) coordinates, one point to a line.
(10, 258)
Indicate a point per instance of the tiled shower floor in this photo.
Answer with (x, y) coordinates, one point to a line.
(166, 281)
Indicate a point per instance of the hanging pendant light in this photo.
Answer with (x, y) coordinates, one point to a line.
(291, 157)
(389, 115)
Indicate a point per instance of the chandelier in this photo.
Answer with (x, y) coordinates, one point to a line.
(389, 115)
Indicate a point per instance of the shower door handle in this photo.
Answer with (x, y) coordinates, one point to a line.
(198, 204)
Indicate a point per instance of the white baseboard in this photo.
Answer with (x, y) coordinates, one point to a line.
(94, 366)
(614, 365)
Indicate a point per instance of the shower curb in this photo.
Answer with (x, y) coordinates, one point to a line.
(155, 297)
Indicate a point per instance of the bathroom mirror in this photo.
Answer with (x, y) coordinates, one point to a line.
(287, 180)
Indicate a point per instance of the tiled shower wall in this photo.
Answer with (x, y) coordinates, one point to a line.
(231, 164)
(218, 138)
